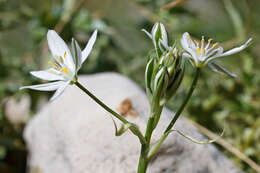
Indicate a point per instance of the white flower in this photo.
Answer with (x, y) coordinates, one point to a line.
(159, 37)
(202, 53)
(65, 65)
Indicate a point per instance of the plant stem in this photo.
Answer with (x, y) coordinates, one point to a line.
(143, 161)
(133, 128)
(184, 103)
(176, 116)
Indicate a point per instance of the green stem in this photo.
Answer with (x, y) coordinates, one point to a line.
(143, 161)
(184, 103)
(133, 128)
(153, 150)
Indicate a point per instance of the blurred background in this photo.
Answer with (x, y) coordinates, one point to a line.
(122, 47)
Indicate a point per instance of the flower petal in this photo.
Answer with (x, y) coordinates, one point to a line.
(186, 55)
(164, 34)
(46, 75)
(191, 59)
(154, 30)
(220, 69)
(165, 44)
(76, 52)
(237, 49)
(45, 87)
(89, 46)
(188, 45)
(59, 91)
(59, 48)
(147, 33)
(213, 54)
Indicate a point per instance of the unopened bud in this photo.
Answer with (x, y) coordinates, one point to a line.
(163, 76)
(159, 38)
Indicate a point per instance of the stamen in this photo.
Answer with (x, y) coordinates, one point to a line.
(55, 65)
(58, 59)
(52, 64)
(198, 49)
(65, 54)
(215, 44)
(202, 42)
(196, 42)
(207, 46)
(65, 70)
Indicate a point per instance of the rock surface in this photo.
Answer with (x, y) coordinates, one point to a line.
(75, 135)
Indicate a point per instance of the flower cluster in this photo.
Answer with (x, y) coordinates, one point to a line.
(200, 53)
(164, 71)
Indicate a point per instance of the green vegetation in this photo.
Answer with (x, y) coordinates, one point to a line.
(122, 47)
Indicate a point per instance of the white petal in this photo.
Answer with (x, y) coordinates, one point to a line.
(59, 91)
(147, 33)
(89, 46)
(76, 52)
(58, 48)
(164, 34)
(45, 87)
(46, 75)
(213, 54)
(220, 69)
(237, 49)
(157, 77)
(186, 42)
(165, 45)
(188, 45)
(186, 55)
(154, 29)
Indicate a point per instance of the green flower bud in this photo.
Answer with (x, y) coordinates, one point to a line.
(163, 76)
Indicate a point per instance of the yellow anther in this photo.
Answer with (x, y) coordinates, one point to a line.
(58, 59)
(65, 70)
(65, 54)
(51, 63)
(209, 40)
(197, 43)
(215, 44)
(198, 50)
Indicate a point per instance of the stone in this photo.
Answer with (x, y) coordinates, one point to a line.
(75, 135)
(17, 111)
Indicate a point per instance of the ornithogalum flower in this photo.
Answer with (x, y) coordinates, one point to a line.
(201, 53)
(65, 65)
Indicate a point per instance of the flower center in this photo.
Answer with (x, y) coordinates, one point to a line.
(59, 65)
(203, 49)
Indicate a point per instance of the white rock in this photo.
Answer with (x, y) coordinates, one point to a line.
(75, 135)
(17, 111)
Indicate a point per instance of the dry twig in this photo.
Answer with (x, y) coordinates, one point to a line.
(173, 4)
(226, 145)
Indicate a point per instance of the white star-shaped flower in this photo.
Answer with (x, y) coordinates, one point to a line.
(64, 67)
(202, 53)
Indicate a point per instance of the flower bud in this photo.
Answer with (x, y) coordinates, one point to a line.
(163, 76)
(159, 38)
